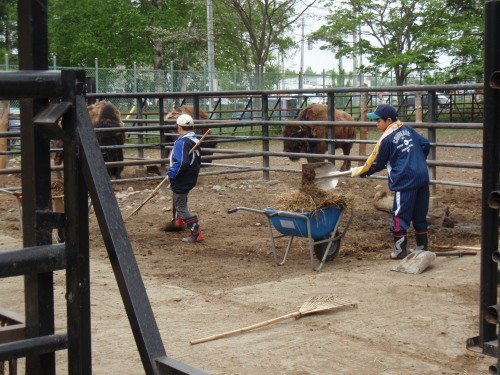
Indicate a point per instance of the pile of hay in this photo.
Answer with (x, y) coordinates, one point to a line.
(311, 198)
(57, 187)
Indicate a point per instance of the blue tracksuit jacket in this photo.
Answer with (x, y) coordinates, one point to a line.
(403, 153)
(184, 168)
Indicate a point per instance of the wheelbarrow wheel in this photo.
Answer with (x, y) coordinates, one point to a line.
(319, 250)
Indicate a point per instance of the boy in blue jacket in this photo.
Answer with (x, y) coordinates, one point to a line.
(183, 175)
(403, 151)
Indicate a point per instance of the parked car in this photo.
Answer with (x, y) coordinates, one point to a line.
(14, 125)
(245, 115)
(443, 101)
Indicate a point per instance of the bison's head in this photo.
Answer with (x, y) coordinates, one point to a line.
(296, 145)
(188, 110)
(109, 115)
(104, 113)
(185, 109)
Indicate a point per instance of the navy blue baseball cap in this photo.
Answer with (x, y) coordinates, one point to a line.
(384, 111)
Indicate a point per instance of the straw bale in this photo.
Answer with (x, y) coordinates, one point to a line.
(310, 198)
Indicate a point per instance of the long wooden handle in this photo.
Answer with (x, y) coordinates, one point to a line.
(155, 191)
(335, 174)
(150, 196)
(457, 247)
(455, 253)
(296, 314)
(199, 142)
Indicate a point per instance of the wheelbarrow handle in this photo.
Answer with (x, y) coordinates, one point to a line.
(232, 210)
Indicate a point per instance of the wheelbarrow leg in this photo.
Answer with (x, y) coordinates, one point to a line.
(327, 250)
(311, 242)
(273, 245)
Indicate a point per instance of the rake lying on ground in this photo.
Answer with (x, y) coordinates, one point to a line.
(312, 305)
(155, 191)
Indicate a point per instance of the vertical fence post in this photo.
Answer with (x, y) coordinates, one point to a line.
(331, 117)
(6, 61)
(135, 77)
(235, 76)
(171, 76)
(431, 133)
(363, 131)
(265, 137)
(96, 66)
(491, 168)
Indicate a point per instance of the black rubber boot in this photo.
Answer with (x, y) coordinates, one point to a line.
(194, 227)
(399, 248)
(421, 239)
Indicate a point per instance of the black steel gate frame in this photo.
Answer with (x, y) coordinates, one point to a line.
(488, 340)
(84, 173)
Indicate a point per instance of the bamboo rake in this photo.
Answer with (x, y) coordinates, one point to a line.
(454, 253)
(473, 248)
(312, 305)
(165, 180)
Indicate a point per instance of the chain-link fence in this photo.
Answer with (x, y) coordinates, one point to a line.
(135, 79)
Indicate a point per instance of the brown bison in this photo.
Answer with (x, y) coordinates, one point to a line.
(318, 112)
(106, 115)
(103, 114)
(189, 110)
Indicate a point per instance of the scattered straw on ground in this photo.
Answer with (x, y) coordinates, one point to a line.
(311, 198)
(57, 187)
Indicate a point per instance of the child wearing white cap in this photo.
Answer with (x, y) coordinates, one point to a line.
(183, 175)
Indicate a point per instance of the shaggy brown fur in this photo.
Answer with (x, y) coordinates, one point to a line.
(106, 115)
(318, 112)
(103, 114)
(189, 110)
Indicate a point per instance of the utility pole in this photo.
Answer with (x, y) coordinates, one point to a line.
(361, 77)
(210, 39)
(355, 69)
(301, 74)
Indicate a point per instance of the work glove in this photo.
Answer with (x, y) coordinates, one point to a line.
(355, 171)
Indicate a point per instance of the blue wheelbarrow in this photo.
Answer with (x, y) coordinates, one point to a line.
(320, 228)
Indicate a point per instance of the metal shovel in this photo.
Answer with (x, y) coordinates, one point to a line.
(324, 175)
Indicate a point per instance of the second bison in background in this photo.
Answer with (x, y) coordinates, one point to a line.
(103, 114)
(189, 110)
(318, 112)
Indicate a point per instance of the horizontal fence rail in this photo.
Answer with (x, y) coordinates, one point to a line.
(147, 131)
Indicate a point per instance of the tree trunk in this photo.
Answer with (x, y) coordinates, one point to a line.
(159, 65)
(4, 126)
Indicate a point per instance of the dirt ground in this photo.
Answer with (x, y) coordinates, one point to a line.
(404, 324)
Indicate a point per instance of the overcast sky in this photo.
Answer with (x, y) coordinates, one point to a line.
(315, 58)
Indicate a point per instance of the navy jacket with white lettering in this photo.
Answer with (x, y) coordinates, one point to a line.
(404, 154)
(184, 168)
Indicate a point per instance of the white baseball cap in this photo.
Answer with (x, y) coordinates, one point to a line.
(185, 121)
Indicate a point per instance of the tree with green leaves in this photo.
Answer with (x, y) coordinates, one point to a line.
(252, 33)
(466, 24)
(176, 31)
(121, 32)
(8, 27)
(402, 37)
(81, 31)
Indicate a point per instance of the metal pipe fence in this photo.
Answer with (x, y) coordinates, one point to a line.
(150, 137)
